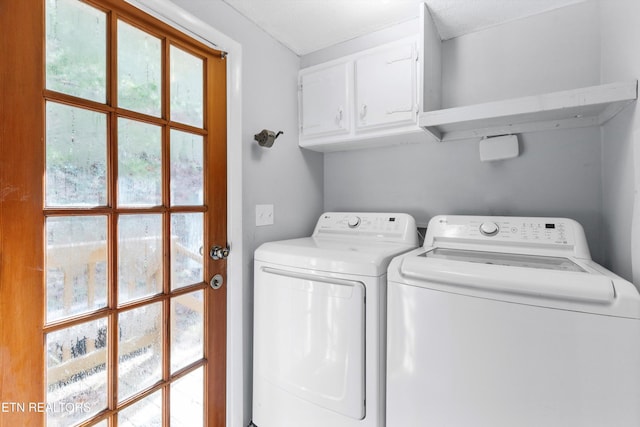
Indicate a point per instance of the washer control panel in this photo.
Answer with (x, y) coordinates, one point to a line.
(489, 228)
(561, 233)
(354, 221)
(398, 227)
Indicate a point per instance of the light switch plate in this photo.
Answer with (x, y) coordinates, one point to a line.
(264, 215)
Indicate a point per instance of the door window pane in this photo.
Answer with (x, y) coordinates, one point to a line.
(139, 349)
(76, 49)
(186, 400)
(187, 249)
(139, 164)
(187, 320)
(124, 184)
(139, 70)
(187, 179)
(76, 158)
(145, 413)
(139, 256)
(76, 265)
(186, 87)
(76, 372)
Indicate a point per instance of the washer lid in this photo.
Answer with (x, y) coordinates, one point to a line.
(503, 278)
(507, 259)
(551, 282)
(359, 257)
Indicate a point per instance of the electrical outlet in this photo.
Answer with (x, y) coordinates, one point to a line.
(264, 215)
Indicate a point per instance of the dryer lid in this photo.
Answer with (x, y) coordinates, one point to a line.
(358, 257)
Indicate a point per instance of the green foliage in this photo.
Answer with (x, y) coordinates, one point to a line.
(76, 138)
(76, 49)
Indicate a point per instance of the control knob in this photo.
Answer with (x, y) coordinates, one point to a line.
(353, 221)
(489, 228)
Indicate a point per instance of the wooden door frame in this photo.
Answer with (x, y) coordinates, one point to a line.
(21, 202)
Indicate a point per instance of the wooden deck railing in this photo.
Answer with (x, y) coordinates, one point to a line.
(75, 263)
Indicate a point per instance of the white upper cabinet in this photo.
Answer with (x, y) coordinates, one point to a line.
(363, 100)
(325, 101)
(372, 98)
(386, 87)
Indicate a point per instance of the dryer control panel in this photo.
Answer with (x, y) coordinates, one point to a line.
(387, 227)
(562, 234)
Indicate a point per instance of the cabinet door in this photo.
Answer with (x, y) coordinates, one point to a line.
(386, 91)
(325, 101)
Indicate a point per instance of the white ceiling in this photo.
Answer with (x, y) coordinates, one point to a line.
(309, 25)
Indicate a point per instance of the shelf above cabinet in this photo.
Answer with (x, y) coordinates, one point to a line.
(590, 106)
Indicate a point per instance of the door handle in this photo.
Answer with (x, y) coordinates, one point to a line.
(218, 252)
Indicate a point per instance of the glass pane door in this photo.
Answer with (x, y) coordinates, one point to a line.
(130, 133)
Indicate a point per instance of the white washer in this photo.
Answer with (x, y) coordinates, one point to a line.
(505, 321)
(319, 322)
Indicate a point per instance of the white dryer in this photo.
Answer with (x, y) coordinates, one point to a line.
(319, 322)
(505, 321)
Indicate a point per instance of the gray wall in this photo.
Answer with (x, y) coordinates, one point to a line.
(557, 174)
(552, 51)
(285, 176)
(620, 28)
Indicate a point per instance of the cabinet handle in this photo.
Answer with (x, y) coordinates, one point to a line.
(400, 110)
(339, 115)
(399, 59)
(363, 111)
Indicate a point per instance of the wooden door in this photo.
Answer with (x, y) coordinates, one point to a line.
(113, 157)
